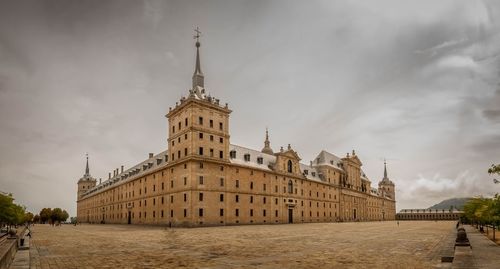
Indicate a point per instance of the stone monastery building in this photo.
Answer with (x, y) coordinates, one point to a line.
(204, 180)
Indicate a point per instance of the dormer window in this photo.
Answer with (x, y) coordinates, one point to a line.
(306, 172)
(158, 161)
(260, 160)
(313, 174)
(331, 162)
(247, 157)
(232, 154)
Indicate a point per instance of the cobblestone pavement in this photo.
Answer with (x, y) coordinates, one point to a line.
(320, 245)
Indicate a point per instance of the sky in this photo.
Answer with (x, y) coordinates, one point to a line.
(415, 82)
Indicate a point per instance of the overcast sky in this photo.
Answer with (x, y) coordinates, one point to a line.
(416, 82)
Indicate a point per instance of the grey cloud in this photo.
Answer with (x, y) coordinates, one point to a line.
(415, 82)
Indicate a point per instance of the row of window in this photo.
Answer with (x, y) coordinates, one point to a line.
(200, 122)
(201, 213)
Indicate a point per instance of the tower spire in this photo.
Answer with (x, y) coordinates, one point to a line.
(198, 78)
(385, 169)
(87, 170)
(267, 145)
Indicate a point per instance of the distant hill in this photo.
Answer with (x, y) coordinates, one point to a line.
(455, 202)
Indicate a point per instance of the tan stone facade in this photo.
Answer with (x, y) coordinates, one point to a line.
(202, 179)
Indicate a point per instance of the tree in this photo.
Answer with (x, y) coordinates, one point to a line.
(64, 216)
(57, 215)
(494, 169)
(28, 217)
(36, 219)
(11, 213)
(45, 215)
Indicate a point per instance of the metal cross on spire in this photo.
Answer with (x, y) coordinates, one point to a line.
(197, 35)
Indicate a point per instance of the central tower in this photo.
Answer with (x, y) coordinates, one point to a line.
(198, 124)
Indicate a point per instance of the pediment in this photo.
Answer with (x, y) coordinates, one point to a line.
(290, 154)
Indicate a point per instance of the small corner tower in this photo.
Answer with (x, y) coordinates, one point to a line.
(267, 145)
(86, 182)
(386, 187)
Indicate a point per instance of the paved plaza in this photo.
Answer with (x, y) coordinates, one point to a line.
(319, 245)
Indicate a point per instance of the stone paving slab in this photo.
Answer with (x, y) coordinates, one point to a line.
(320, 245)
(485, 254)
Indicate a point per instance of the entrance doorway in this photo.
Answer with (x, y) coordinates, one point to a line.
(129, 218)
(290, 215)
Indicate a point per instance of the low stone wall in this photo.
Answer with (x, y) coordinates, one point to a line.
(8, 249)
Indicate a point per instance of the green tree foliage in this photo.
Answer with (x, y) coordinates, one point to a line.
(45, 215)
(494, 169)
(52, 215)
(11, 213)
(483, 210)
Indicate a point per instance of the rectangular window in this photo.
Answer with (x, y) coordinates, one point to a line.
(186, 122)
(237, 183)
(237, 198)
(201, 135)
(211, 152)
(212, 138)
(251, 185)
(162, 200)
(162, 185)
(264, 187)
(221, 212)
(221, 140)
(200, 212)
(200, 120)
(178, 154)
(232, 154)
(200, 151)
(251, 212)
(264, 213)
(264, 200)
(251, 199)
(276, 213)
(179, 125)
(211, 124)
(185, 152)
(221, 126)
(260, 160)
(185, 197)
(185, 181)
(171, 198)
(237, 213)
(221, 182)
(201, 196)
(221, 154)
(171, 213)
(201, 180)
(173, 129)
(221, 197)
(246, 157)
(161, 213)
(185, 213)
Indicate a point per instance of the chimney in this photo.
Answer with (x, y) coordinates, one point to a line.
(100, 180)
(117, 171)
(151, 155)
(109, 175)
(122, 168)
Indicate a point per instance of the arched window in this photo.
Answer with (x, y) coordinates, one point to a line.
(290, 167)
(290, 186)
